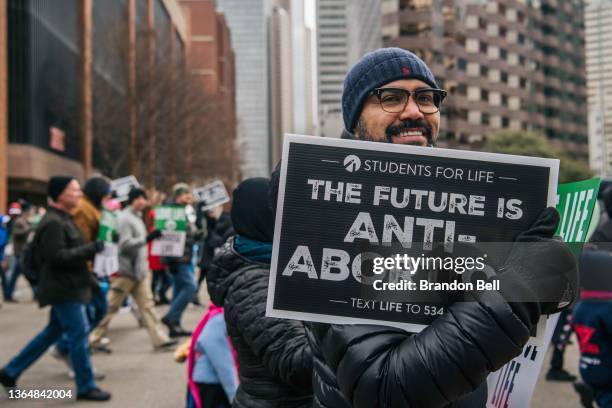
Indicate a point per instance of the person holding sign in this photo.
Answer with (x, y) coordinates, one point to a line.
(181, 268)
(274, 359)
(391, 96)
(132, 277)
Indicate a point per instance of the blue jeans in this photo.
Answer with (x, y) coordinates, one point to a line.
(184, 286)
(13, 273)
(68, 318)
(95, 310)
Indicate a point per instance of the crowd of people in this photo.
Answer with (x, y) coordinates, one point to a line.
(239, 357)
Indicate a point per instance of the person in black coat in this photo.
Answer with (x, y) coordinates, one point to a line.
(274, 358)
(65, 284)
(218, 230)
(391, 96)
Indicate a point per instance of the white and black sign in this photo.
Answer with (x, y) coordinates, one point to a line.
(342, 202)
(122, 187)
(211, 195)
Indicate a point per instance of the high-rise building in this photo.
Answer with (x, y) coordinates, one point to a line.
(346, 30)
(281, 78)
(291, 74)
(211, 59)
(506, 64)
(598, 20)
(248, 22)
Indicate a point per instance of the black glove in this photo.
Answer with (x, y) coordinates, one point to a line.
(540, 271)
(115, 237)
(99, 246)
(154, 235)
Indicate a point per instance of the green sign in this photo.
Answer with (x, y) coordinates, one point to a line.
(107, 261)
(108, 225)
(171, 220)
(576, 204)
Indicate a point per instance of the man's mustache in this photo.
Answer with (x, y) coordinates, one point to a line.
(395, 130)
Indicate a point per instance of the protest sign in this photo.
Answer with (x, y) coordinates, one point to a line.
(211, 195)
(122, 187)
(171, 220)
(107, 261)
(575, 205)
(513, 385)
(341, 202)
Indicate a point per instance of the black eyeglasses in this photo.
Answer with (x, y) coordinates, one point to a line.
(395, 100)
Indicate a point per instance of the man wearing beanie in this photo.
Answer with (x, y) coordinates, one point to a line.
(86, 216)
(133, 273)
(65, 285)
(391, 96)
(182, 269)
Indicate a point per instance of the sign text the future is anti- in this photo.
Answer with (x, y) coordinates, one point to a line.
(413, 199)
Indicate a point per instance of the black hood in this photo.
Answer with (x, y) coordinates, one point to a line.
(252, 216)
(95, 189)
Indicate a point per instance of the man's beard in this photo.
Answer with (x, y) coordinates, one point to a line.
(395, 130)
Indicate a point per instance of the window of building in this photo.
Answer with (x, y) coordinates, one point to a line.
(461, 64)
(504, 100)
(484, 71)
(485, 119)
(503, 54)
(505, 122)
(483, 47)
(504, 77)
(484, 95)
(494, 75)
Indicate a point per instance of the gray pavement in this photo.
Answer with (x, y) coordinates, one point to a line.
(139, 377)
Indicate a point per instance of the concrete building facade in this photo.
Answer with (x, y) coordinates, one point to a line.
(598, 27)
(248, 23)
(507, 64)
(346, 30)
(211, 59)
(55, 64)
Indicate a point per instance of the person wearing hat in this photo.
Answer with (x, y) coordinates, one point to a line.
(19, 231)
(274, 359)
(65, 285)
(182, 268)
(132, 276)
(391, 96)
(86, 216)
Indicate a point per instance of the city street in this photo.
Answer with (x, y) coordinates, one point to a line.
(139, 377)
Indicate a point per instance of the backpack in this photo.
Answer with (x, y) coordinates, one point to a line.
(30, 261)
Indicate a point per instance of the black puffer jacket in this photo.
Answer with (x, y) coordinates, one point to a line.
(387, 367)
(275, 361)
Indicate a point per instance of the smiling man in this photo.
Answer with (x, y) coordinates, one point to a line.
(391, 96)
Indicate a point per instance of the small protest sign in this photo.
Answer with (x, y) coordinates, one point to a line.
(513, 385)
(211, 195)
(344, 203)
(575, 205)
(107, 261)
(122, 186)
(171, 220)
